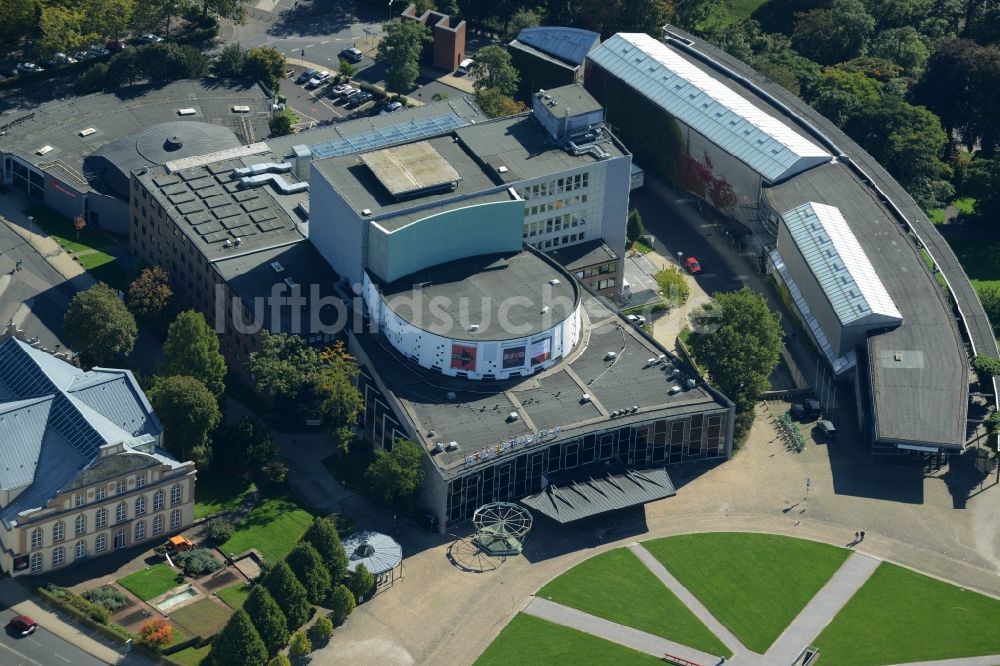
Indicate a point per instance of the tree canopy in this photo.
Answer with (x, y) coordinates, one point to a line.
(400, 48)
(309, 568)
(361, 581)
(239, 644)
(322, 535)
(396, 475)
(740, 345)
(497, 105)
(150, 293)
(265, 64)
(267, 618)
(247, 443)
(192, 349)
(189, 413)
(289, 594)
(99, 325)
(342, 602)
(492, 68)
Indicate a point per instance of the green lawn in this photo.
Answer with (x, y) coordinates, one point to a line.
(728, 12)
(616, 586)
(530, 640)
(202, 618)
(190, 656)
(218, 492)
(936, 216)
(273, 527)
(755, 584)
(639, 247)
(89, 240)
(900, 616)
(235, 595)
(150, 582)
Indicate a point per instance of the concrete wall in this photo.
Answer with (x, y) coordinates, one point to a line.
(455, 234)
(64, 198)
(336, 230)
(111, 213)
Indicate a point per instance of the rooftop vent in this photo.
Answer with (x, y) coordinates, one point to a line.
(585, 398)
(173, 143)
(277, 267)
(513, 416)
(88, 131)
(473, 328)
(545, 309)
(451, 395)
(227, 243)
(554, 282)
(438, 447)
(238, 241)
(290, 282)
(241, 109)
(366, 212)
(44, 150)
(610, 356)
(453, 446)
(186, 111)
(503, 169)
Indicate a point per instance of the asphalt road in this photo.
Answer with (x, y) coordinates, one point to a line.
(40, 649)
(35, 297)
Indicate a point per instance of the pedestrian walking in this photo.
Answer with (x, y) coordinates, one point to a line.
(862, 535)
(857, 537)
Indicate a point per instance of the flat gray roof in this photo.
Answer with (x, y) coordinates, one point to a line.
(572, 97)
(58, 122)
(923, 397)
(254, 274)
(210, 207)
(594, 490)
(474, 413)
(448, 298)
(583, 255)
(410, 169)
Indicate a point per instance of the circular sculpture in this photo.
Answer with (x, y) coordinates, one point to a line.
(501, 528)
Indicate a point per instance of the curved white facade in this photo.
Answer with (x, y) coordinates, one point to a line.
(472, 358)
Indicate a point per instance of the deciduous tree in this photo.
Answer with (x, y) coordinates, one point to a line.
(265, 64)
(493, 69)
(396, 475)
(189, 413)
(361, 581)
(833, 34)
(192, 349)
(400, 50)
(239, 644)
(230, 62)
(497, 105)
(322, 630)
(150, 293)
(300, 646)
(289, 594)
(309, 568)
(267, 618)
(99, 326)
(342, 602)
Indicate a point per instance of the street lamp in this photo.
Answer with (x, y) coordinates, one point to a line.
(679, 255)
(390, 10)
(31, 219)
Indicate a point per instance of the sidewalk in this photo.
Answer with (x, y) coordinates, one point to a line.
(11, 213)
(614, 632)
(15, 596)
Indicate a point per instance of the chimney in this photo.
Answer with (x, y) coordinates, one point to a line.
(303, 160)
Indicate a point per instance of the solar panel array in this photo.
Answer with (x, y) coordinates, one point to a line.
(764, 143)
(380, 137)
(838, 262)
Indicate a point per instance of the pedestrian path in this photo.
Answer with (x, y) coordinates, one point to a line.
(689, 600)
(614, 632)
(822, 608)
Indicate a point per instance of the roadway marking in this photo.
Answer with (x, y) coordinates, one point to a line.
(308, 46)
(22, 656)
(326, 42)
(56, 654)
(266, 43)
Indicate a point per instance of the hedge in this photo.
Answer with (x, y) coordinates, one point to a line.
(193, 642)
(111, 631)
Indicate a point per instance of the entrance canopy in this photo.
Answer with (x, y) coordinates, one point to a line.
(599, 492)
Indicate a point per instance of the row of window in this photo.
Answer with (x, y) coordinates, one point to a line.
(597, 270)
(101, 541)
(557, 223)
(558, 204)
(557, 241)
(553, 187)
(102, 492)
(101, 517)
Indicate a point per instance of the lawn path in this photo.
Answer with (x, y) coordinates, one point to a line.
(822, 608)
(614, 632)
(689, 600)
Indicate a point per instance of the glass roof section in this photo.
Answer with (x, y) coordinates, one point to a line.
(386, 136)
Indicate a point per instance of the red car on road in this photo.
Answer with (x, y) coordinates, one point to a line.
(692, 265)
(23, 625)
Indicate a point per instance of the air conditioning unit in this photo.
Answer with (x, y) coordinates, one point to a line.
(88, 131)
(513, 416)
(610, 356)
(277, 267)
(585, 398)
(291, 282)
(453, 446)
(554, 282)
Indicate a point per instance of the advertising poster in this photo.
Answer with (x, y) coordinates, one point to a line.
(463, 357)
(541, 350)
(513, 357)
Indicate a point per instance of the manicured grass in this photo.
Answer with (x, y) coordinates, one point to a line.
(901, 616)
(965, 205)
(218, 492)
(755, 584)
(273, 527)
(728, 12)
(616, 586)
(235, 595)
(151, 582)
(202, 618)
(639, 247)
(531, 640)
(190, 656)
(673, 286)
(936, 216)
(90, 241)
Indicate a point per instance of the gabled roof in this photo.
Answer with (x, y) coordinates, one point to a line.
(54, 419)
(840, 265)
(763, 142)
(570, 45)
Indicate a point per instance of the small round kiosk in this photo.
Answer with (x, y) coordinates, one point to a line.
(380, 553)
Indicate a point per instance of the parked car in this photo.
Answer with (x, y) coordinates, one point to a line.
(98, 50)
(463, 67)
(318, 80)
(692, 265)
(352, 55)
(828, 430)
(84, 55)
(59, 59)
(341, 89)
(390, 107)
(116, 46)
(28, 67)
(357, 100)
(149, 39)
(23, 625)
(306, 75)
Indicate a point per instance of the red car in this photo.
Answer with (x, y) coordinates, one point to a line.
(692, 265)
(23, 625)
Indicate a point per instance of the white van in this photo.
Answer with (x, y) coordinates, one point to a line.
(463, 67)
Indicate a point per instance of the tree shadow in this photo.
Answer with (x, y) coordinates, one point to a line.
(321, 19)
(967, 475)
